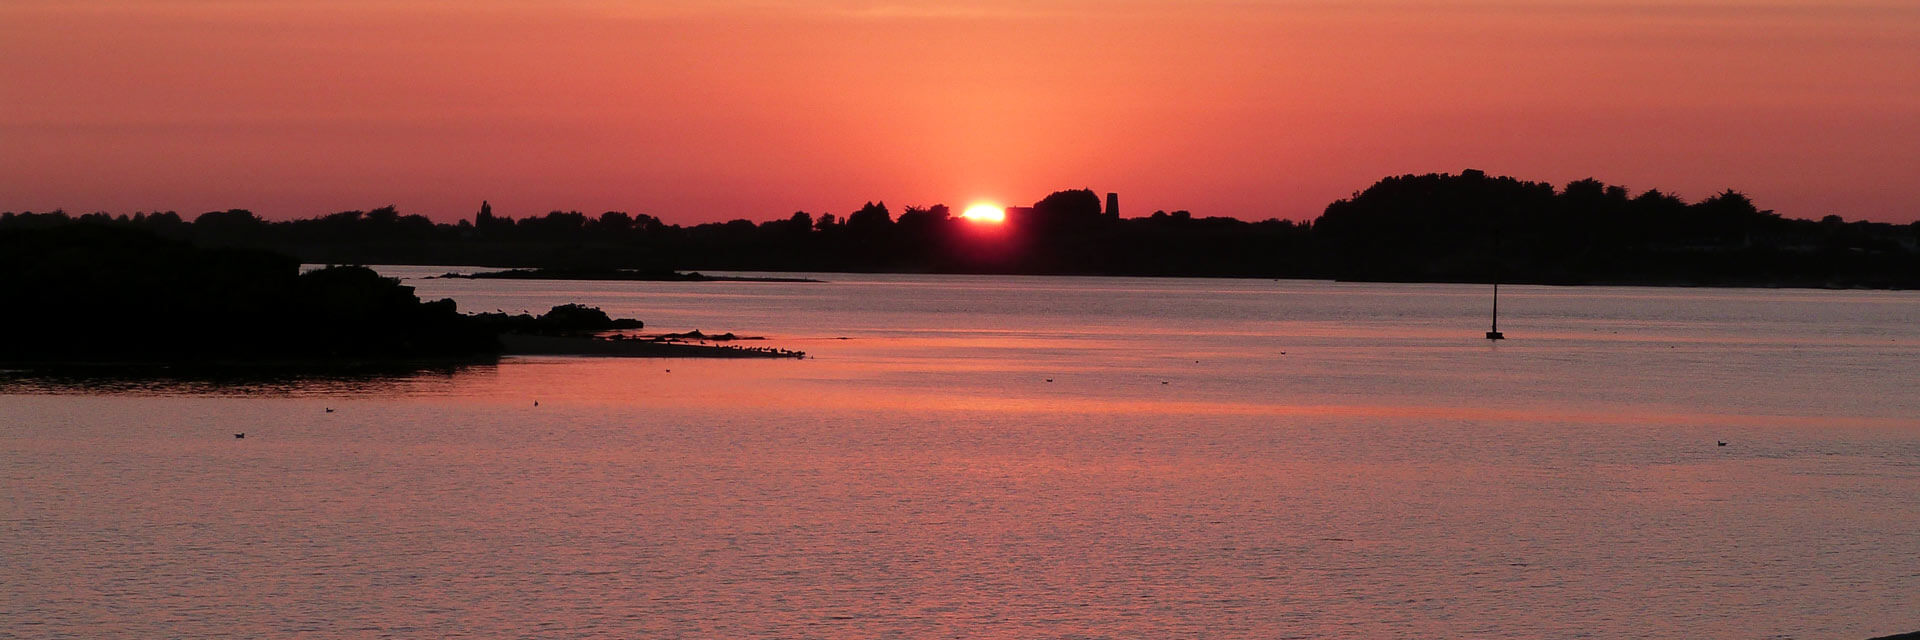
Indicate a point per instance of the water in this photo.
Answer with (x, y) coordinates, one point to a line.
(1213, 458)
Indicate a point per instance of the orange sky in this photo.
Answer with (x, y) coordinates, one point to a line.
(716, 109)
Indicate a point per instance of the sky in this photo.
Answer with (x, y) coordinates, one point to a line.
(696, 111)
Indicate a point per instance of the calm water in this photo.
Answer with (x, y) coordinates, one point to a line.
(1212, 458)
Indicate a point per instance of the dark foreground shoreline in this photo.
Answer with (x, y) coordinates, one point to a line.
(289, 375)
(113, 300)
(511, 345)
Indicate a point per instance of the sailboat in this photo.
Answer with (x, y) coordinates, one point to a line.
(1493, 333)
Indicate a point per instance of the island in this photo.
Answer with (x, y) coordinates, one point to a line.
(579, 330)
(107, 296)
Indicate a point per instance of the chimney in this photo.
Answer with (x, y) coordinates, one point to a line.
(1113, 205)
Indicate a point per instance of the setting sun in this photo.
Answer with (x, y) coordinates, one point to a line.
(985, 213)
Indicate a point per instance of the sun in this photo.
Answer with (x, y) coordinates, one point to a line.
(985, 213)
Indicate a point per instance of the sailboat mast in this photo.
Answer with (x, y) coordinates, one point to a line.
(1496, 306)
(1493, 332)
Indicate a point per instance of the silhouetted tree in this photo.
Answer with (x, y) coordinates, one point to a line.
(871, 220)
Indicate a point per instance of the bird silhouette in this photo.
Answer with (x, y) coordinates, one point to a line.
(1722, 442)
(329, 409)
(239, 435)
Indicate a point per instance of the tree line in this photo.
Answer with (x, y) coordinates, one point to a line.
(1434, 227)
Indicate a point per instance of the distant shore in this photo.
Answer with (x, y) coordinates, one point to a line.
(1464, 227)
(638, 347)
(1673, 284)
(635, 275)
(695, 276)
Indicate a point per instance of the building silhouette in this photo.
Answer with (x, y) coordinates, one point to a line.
(1067, 207)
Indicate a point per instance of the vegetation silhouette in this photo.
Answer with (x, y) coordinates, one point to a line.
(1440, 227)
(1433, 227)
(98, 294)
(101, 293)
(563, 320)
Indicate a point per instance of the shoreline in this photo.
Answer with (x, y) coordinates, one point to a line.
(1663, 284)
(513, 345)
(537, 345)
(614, 275)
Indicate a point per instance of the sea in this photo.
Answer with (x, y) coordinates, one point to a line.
(1010, 457)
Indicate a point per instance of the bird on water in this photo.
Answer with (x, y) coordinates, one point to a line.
(239, 435)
